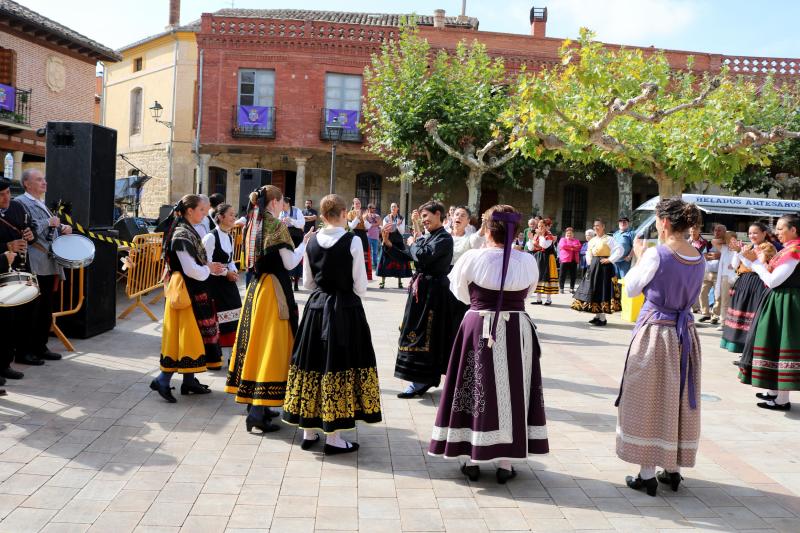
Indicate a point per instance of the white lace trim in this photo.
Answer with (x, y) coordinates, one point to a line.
(658, 443)
(537, 432)
(228, 316)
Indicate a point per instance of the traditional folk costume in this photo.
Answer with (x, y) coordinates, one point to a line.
(295, 223)
(771, 357)
(599, 292)
(544, 251)
(746, 294)
(359, 227)
(429, 322)
(391, 265)
(224, 293)
(659, 402)
(492, 406)
(259, 362)
(468, 241)
(189, 341)
(333, 379)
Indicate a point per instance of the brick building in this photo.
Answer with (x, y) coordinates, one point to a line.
(47, 73)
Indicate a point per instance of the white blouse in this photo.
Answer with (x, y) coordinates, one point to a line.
(465, 242)
(210, 243)
(617, 251)
(543, 243)
(327, 237)
(484, 268)
(191, 268)
(400, 224)
(776, 277)
(645, 270)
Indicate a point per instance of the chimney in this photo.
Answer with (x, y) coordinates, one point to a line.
(538, 21)
(438, 18)
(174, 13)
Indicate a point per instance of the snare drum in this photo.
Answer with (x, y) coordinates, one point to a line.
(17, 288)
(73, 251)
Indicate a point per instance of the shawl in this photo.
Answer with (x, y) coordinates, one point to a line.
(186, 239)
(264, 232)
(354, 214)
(769, 253)
(791, 250)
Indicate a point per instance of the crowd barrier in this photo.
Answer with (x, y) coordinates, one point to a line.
(69, 301)
(145, 272)
(237, 234)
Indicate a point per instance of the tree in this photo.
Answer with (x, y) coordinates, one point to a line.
(439, 111)
(632, 110)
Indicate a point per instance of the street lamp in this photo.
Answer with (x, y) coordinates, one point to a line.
(156, 111)
(335, 131)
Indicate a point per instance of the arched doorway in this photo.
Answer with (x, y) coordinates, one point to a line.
(217, 181)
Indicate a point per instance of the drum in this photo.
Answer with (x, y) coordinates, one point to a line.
(73, 251)
(17, 288)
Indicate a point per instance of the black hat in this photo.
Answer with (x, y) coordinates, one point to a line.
(624, 219)
(4, 184)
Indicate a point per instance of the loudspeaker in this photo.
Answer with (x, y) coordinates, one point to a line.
(130, 227)
(251, 179)
(99, 311)
(163, 212)
(80, 164)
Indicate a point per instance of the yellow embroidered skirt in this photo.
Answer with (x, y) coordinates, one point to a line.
(182, 348)
(259, 362)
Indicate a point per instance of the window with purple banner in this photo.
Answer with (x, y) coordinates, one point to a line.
(343, 103)
(7, 98)
(254, 114)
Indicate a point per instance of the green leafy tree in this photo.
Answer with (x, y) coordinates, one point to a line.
(439, 111)
(631, 110)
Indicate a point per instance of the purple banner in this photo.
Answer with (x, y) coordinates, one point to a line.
(253, 116)
(346, 118)
(7, 97)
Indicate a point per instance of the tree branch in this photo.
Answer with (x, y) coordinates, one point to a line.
(491, 144)
(752, 136)
(660, 114)
(432, 127)
(497, 163)
(618, 107)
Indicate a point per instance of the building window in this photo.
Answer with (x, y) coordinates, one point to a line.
(136, 111)
(217, 180)
(257, 87)
(574, 212)
(368, 189)
(137, 64)
(8, 66)
(343, 102)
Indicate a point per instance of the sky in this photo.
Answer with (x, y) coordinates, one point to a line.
(765, 28)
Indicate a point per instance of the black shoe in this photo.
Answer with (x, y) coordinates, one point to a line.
(194, 388)
(264, 425)
(548, 302)
(10, 373)
(673, 479)
(382, 285)
(637, 483)
(704, 319)
(714, 321)
(737, 362)
(2, 381)
(473, 472)
(536, 302)
(308, 443)
(772, 406)
(336, 450)
(47, 355)
(504, 475)
(399, 284)
(163, 391)
(766, 396)
(598, 322)
(3, 392)
(416, 392)
(29, 359)
(595, 320)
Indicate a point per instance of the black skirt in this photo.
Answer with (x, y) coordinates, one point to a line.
(228, 305)
(599, 291)
(746, 294)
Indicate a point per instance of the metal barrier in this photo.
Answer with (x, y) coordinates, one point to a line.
(237, 234)
(145, 272)
(69, 301)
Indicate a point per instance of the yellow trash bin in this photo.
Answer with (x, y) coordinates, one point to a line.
(630, 306)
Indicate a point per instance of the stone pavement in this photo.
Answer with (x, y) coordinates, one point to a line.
(86, 446)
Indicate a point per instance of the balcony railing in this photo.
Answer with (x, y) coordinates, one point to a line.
(347, 118)
(253, 121)
(15, 105)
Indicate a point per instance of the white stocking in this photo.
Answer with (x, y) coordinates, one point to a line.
(647, 472)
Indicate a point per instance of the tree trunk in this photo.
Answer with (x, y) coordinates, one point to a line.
(625, 191)
(669, 186)
(474, 189)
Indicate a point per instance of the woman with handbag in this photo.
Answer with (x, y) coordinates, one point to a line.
(190, 333)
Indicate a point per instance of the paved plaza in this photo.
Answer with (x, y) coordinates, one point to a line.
(86, 446)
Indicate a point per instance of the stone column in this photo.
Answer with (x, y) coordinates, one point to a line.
(202, 173)
(625, 190)
(300, 181)
(17, 165)
(538, 195)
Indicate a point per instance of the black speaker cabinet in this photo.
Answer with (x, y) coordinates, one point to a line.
(130, 227)
(251, 179)
(99, 311)
(80, 166)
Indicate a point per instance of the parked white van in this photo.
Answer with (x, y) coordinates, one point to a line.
(736, 213)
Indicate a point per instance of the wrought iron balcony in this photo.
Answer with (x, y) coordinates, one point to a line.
(346, 118)
(15, 107)
(253, 121)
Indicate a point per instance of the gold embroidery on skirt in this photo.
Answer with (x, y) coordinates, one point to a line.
(333, 395)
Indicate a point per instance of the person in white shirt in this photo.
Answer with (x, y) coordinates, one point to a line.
(599, 292)
(295, 221)
(726, 276)
(711, 313)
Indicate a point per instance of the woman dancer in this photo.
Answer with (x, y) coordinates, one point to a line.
(462, 239)
(747, 290)
(259, 362)
(389, 266)
(491, 407)
(357, 220)
(599, 293)
(769, 360)
(426, 334)
(544, 251)
(659, 399)
(333, 379)
(224, 288)
(190, 334)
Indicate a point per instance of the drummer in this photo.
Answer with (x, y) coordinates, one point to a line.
(46, 228)
(14, 239)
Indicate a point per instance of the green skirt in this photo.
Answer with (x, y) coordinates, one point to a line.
(771, 357)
